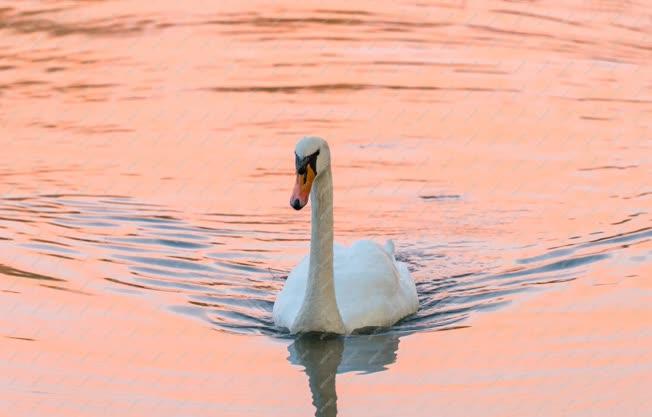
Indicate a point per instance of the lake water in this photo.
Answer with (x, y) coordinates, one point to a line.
(147, 163)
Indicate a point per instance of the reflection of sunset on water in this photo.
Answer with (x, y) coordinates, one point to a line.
(145, 229)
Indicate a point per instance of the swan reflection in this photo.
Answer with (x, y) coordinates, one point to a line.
(325, 356)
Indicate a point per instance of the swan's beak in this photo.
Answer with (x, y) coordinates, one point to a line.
(302, 188)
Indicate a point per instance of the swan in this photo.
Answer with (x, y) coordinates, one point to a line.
(338, 289)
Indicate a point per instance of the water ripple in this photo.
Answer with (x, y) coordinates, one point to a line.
(234, 290)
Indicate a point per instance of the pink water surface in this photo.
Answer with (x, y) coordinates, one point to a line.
(147, 162)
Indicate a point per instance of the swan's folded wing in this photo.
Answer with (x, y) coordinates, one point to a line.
(289, 300)
(369, 288)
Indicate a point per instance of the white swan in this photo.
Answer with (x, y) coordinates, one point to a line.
(338, 289)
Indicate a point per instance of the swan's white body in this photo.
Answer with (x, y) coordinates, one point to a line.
(371, 288)
(339, 289)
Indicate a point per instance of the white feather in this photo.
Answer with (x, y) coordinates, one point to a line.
(371, 288)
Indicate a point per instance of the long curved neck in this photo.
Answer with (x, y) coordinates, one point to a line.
(321, 234)
(319, 311)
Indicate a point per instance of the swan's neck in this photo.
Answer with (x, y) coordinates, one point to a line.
(319, 311)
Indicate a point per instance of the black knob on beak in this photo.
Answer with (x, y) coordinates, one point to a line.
(296, 204)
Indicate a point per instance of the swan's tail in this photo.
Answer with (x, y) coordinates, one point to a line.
(389, 247)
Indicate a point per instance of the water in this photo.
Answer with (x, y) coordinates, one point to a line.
(145, 228)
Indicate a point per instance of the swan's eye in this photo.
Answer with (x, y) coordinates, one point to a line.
(302, 163)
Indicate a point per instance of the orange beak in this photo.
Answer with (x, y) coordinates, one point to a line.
(302, 188)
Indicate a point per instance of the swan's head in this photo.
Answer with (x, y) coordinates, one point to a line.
(312, 157)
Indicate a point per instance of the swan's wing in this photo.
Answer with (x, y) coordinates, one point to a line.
(289, 300)
(370, 286)
(408, 287)
(389, 247)
(405, 278)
